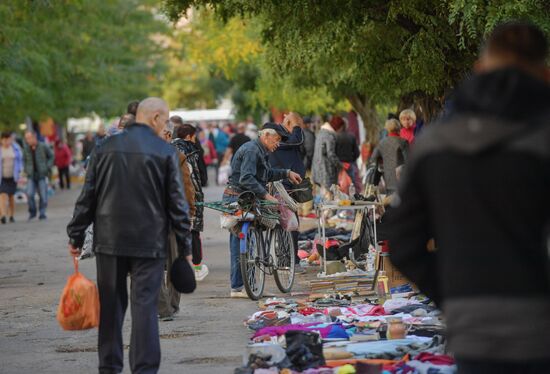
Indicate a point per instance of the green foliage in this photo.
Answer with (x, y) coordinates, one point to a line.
(214, 59)
(374, 51)
(68, 58)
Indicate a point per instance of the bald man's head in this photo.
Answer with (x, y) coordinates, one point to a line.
(291, 120)
(154, 112)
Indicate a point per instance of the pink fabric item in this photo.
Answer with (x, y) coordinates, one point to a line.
(435, 359)
(308, 311)
(281, 330)
(362, 310)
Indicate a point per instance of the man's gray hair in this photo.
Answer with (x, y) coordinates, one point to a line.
(267, 132)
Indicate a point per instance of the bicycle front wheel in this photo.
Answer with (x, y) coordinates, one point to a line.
(252, 264)
(285, 259)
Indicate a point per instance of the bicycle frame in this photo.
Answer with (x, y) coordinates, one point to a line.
(243, 237)
(266, 237)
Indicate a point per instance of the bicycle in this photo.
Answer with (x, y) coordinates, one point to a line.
(265, 248)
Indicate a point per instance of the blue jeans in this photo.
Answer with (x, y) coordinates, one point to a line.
(32, 186)
(234, 249)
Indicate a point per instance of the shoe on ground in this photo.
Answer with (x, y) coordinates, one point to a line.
(42, 217)
(239, 294)
(3, 220)
(31, 217)
(12, 220)
(166, 318)
(298, 269)
(201, 273)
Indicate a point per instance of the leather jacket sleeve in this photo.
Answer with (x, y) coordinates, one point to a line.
(178, 209)
(84, 211)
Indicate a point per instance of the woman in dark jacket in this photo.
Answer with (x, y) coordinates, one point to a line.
(184, 141)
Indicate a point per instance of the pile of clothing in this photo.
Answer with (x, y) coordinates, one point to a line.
(333, 334)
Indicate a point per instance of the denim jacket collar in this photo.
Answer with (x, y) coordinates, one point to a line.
(263, 150)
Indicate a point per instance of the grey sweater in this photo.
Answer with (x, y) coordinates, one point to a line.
(326, 164)
(392, 151)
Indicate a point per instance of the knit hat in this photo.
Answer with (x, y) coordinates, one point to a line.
(183, 276)
(337, 123)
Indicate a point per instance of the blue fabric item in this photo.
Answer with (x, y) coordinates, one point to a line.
(337, 331)
(221, 142)
(251, 170)
(380, 347)
(403, 288)
(288, 155)
(41, 186)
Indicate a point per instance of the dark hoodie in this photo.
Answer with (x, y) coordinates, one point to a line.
(479, 183)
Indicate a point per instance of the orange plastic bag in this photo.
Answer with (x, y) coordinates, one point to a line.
(344, 181)
(79, 304)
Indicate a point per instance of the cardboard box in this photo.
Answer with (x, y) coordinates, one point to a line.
(395, 278)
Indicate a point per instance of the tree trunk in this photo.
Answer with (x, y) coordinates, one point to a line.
(364, 108)
(425, 106)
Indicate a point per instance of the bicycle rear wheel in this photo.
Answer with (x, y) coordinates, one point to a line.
(285, 259)
(252, 264)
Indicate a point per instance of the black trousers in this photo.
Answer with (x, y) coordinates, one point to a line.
(146, 276)
(502, 367)
(64, 174)
(196, 247)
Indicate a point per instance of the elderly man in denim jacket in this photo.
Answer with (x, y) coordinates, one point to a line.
(252, 172)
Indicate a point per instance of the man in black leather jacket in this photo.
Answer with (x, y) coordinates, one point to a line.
(132, 194)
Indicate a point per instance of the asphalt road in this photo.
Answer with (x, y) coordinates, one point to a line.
(207, 336)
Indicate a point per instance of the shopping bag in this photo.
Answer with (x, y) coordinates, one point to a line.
(224, 173)
(79, 304)
(288, 219)
(344, 181)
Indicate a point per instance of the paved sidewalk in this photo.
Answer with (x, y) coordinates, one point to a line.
(206, 337)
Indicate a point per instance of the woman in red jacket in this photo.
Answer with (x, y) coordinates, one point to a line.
(210, 155)
(408, 123)
(63, 158)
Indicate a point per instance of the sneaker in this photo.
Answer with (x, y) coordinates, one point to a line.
(42, 217)
(201, 272)
(166, 318)
(31, 217)
(12, 220)
(298, 269)
(239, 294)
(3, 220)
